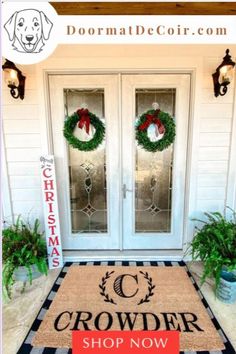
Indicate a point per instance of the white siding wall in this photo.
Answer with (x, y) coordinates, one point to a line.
(214, 142)
(21, 126)
(25, 126)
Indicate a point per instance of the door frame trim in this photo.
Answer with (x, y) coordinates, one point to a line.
(137, 255)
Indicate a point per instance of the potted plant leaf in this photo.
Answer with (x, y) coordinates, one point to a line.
(24, 254)
(215, 245)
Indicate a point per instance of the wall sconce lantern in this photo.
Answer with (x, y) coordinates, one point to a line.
(14, 79)
(223, 75)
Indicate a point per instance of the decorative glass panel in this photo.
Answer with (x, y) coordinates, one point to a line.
(153, 175)
(87, 169)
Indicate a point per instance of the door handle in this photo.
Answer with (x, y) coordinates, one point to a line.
(125, 189)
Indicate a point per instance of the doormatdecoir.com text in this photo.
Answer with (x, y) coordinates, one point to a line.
(139, 30)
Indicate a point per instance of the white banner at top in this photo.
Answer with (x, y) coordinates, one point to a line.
(148, 29)
(30, 32)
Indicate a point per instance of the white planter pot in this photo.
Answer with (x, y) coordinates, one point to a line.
(22, 273)
(226, 291)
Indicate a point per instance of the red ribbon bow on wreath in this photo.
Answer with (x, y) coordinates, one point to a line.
(153, 119)
(84, 119)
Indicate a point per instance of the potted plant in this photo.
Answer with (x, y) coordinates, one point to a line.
(24, 253)
(215, 245)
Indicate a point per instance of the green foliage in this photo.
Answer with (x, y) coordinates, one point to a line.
(215, 245)
(160, 145)
(90, 145)
(22, 245)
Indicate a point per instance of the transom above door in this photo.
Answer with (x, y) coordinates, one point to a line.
(120, 196)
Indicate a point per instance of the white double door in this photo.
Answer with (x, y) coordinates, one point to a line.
(120, 196)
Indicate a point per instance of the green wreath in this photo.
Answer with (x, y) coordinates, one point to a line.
(84, 118)
(165, 123)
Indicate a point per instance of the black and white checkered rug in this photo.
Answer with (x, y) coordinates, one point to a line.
(27, 348)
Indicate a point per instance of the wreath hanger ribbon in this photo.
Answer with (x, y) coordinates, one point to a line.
(153, 119)
(84, 119)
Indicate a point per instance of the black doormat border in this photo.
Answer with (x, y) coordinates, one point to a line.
(27, 348)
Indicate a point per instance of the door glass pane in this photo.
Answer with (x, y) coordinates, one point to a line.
(153, 175)
(87, 169)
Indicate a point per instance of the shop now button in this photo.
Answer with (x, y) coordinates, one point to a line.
(116, 342)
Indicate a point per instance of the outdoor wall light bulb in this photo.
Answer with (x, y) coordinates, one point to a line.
(14, 79)
(223, 75)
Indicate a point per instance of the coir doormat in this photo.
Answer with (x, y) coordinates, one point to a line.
(125, 296)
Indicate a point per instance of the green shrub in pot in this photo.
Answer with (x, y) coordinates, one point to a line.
(23, 245)
(215, 245)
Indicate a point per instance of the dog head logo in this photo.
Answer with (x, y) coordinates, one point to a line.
(28, 30)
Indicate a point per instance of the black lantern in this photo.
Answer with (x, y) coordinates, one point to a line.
(14, 79)
(223, 75)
